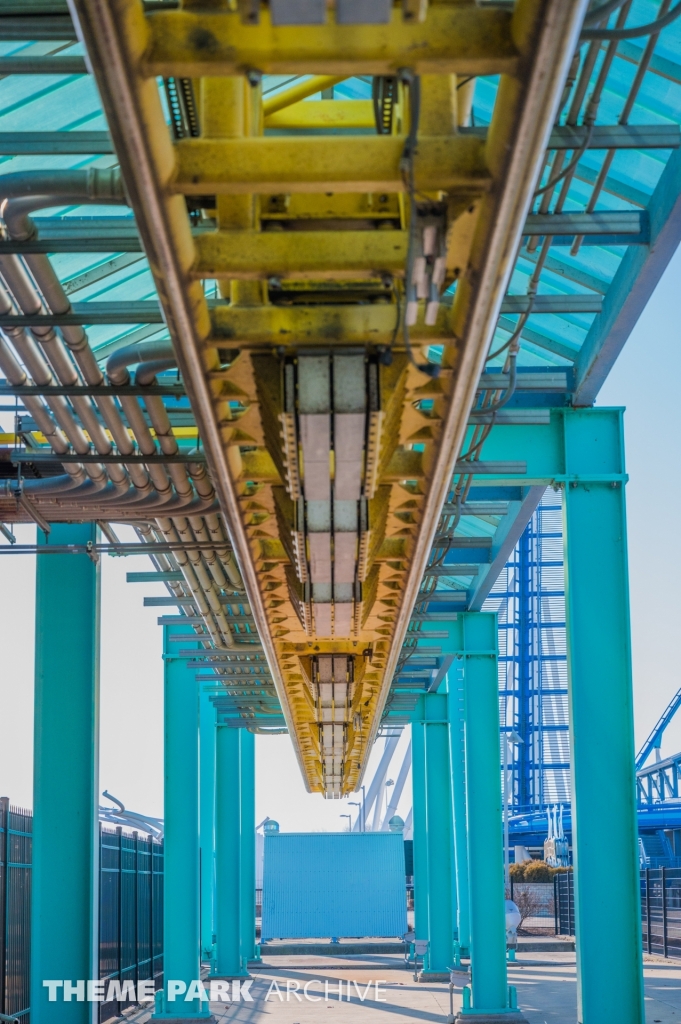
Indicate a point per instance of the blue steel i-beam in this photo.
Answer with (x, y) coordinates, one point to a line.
(455, 712)
(64, 923)
(228, 850)
(181, 897)
(432, 710)
(420, 839)
(207, 728)
(609, 974)
(247, 789)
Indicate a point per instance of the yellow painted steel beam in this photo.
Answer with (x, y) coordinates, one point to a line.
(311, 255)
(301, 91)
(328, 164)
(452, 39)
(324, 114)
(351, 324)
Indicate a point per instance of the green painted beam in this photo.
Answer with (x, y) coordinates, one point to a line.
(456, 716)
(247, 873)
(420, 836)
(228, 852)
(439, 841)
(609, 974)
(207, 740)
(181, 895)
(478, 640)
(65, 875)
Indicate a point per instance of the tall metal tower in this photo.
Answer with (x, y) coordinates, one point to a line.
(529, 597)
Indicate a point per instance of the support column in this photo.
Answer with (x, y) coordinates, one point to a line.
(609, 974)
(181, 899)
(433, 710)
(420, 842)
(455, 709)
(64, 919)
(247, 788)
(207, 823)
(228, 848)
(483, 811)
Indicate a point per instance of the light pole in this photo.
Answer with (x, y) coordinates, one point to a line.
(364, 810)
(511, 741)
(389, 782)
(356, 803)
(349, 817)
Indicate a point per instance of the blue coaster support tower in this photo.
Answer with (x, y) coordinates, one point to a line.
(529, 598)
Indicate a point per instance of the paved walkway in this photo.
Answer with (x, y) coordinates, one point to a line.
(545, 983)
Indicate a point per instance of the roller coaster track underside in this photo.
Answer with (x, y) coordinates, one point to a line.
(330, 450)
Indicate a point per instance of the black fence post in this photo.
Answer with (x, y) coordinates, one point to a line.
(556, 897)
(99, 917)
(4, 903)
(664, 911)
(135, 836)
(119, 965)
(648, 926)
(151, 909)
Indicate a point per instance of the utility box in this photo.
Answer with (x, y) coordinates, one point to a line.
(334, 885)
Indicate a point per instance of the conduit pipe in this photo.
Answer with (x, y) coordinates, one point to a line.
(151, 357)
(22, 195)
(37, 367)
(28, 300)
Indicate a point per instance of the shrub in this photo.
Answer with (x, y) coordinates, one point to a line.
(537, 871)
(517, 872)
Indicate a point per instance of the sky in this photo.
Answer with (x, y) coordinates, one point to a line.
(131, 757)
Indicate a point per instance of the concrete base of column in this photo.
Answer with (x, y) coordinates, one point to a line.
(244, 976)
(471, 1017)
(208, 1019)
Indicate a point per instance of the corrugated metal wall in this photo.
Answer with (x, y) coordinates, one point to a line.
(334, 884)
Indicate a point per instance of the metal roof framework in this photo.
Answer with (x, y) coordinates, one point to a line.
(594, 247)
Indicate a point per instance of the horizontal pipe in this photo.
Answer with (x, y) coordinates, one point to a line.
(93, 390)
(26, 455)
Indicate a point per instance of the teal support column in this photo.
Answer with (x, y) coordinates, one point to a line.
(609, 974)
(455, 709)
(181, 897)
(490, 994)
(432, 709)
(207, 729)
(228, 850)
(419, 829)
(64, 922)
(247, 789)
